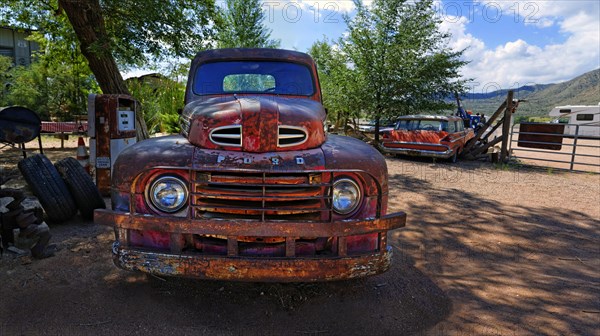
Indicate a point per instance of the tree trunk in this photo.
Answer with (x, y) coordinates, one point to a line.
(87, 21)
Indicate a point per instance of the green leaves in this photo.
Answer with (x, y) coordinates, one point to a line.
(400, 58)
(160, 98)
(399, 52)
(138, 31)
(155, 30)
(55, 85)
(338, 81)
(240, 25)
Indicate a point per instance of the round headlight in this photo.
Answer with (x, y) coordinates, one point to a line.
(168, 194)
(346, 196)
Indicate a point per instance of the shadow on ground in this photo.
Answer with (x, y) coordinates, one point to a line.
(79, 291)
(508, 269)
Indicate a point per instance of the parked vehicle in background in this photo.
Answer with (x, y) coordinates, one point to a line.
(384, 124)
(253, 189)
(474, 121)
(581, 119)
(427, 135)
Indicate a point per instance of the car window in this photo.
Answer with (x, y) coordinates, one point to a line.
(422, 124)
(451, 127)
(269, 77)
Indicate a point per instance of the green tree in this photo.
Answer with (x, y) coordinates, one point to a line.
(402, 58)
(338, 83)
(55, 85)
(240, 25)
(5, 65)
(125, 32)
(161, 98)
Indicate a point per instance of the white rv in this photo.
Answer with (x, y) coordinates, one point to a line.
(582, 120)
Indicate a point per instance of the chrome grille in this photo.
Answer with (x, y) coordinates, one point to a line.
(227, 136)
(259, 196)
(291, 136)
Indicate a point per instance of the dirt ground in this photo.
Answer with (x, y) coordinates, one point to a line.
(486, 251)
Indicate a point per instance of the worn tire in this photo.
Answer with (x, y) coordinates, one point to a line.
(50, 189)
(82, 188)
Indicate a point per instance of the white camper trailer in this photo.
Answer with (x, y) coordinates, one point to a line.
(582, 120)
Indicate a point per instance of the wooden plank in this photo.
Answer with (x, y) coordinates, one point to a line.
(487, 125)
(506, 126)
(485, 147)
(498, 124)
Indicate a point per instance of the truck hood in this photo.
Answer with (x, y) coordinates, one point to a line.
(254, 123)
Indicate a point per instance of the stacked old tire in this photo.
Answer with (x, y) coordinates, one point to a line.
(61, 189)
(82, 188)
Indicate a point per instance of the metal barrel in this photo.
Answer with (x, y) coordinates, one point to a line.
(18, 124)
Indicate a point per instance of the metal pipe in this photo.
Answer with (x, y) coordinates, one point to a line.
(574, 147)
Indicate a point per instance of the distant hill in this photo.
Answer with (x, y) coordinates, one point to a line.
(582, 90)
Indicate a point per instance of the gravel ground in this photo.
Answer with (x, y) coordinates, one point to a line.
(487, 250)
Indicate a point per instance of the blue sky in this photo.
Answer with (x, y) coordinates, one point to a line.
(509, 43)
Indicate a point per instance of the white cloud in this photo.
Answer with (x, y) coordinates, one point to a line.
(530, 11)
(520, 62)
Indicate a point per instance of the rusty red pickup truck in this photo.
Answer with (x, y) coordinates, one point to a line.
(253, 189)
(427, 135)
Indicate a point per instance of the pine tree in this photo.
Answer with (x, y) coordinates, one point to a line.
(241, 26)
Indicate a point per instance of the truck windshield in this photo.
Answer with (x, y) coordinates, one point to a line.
(422, 124)
(253, 77)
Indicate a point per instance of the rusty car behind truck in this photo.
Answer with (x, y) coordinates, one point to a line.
(253, 189)
(434, 136)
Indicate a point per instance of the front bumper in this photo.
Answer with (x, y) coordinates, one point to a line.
(443, 154)
(233, 266)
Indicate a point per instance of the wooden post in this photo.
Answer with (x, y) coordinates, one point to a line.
(473, 141)
(506, 126)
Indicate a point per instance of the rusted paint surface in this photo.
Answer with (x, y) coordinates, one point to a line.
(260, 202)
(430, 143)
(346, 153)
(420, 136)
(169, 151)
(240, 227)
(551, 134)
(106, 129)
(259, 118)
(18, 125)
(250, 269)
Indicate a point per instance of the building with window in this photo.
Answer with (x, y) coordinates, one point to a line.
(14, 44)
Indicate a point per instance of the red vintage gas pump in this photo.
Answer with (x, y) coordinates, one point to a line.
(111, 128)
